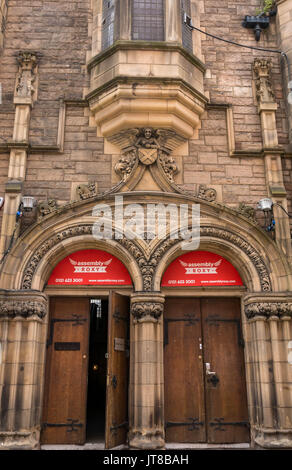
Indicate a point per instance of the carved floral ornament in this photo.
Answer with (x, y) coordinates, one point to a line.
(143, 311)
(269, 310)
(23, 308)
(149, 264)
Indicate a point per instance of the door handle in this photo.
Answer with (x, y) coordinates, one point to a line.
(208, 371)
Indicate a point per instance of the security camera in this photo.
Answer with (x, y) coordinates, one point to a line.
(1, 202)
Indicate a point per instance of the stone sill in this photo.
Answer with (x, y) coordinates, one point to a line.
(146, 45)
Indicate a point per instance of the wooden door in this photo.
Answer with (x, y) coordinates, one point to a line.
(64, 412)
(117, 371)
(226, 401)
(183, 371)
(204, 371)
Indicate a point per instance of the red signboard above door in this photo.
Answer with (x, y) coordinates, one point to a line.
(90, 267)
(201, 268)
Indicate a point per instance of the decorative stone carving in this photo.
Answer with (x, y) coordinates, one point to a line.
(16, 303)
(141, 310)
(46, 207)
(262, 72)
(126, 164)
(86, 191)
(147, 147)
(247, 211)
(222, 234)
(149, 264)
(208, 194)
(267, 310)
(23, 309)
(46, 246)
(162, 137)
(26, 75)
(169, 166)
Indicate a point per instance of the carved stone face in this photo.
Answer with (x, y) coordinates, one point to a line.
(148, 132)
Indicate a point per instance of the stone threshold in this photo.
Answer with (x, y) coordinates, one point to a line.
(169, 446)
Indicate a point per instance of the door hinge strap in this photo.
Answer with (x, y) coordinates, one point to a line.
(220, 423)
(115, 427)
(73, 425)
(76, 320)
(192, 425)
(213, 320)
(188, 318)
(117, 316)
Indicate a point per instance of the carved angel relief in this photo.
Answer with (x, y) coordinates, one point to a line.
(147, 147)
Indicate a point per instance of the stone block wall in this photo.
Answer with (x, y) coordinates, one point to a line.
(61, 33)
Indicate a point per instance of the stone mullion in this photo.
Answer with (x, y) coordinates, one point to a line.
(125, 17)
(173, 24)
(146, 388)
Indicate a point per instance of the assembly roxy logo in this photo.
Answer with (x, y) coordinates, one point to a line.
(201, 268)
(90, 266)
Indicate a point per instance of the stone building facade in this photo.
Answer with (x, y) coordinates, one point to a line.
(119, 98)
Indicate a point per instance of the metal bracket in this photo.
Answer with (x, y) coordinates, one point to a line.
(73, 425)
(76, 320)
(189, 318)
(117, 316)
(193, 425)
(213, 319)
(114, 429)
(219, 424)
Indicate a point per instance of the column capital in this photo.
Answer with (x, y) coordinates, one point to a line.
(24, 304)
(278, 306)
(147, 307)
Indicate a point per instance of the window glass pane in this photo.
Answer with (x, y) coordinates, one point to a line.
(108, 21)
(186, 32)
(148, 20)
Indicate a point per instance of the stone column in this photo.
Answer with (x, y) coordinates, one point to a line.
(24, 96)
(146, 407)
(23, 330)
(267, 107)
(269, 374)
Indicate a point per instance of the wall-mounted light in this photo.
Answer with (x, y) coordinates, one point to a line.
(265, 204)
(28, 203)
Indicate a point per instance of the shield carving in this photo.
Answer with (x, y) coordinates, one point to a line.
(147, 156)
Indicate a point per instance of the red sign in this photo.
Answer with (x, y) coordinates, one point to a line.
(201, 268)
(90, 267)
